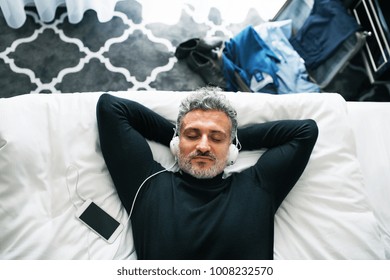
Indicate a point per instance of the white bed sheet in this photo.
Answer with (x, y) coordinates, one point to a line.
(370, 123)
(49, 145)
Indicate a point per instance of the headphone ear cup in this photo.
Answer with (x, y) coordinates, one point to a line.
(174, 145)
(233, 154)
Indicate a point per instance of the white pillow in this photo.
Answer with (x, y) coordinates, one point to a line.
(47, 141)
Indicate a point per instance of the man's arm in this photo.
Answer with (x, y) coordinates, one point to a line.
(289, 144)
(123, 126)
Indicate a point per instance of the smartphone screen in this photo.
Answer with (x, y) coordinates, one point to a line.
(99, 221)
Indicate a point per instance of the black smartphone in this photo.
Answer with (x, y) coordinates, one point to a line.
(99, 221)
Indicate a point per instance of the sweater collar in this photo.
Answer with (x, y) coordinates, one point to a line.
(211, 183)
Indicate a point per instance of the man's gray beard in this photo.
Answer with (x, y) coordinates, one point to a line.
(185, 164)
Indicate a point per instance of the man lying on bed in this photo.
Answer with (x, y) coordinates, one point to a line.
(197, 213)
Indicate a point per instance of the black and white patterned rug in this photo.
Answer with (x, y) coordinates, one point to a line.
(127, 53)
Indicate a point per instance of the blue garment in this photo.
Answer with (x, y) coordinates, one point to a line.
(249, 56)
(327, 26)
(292, 74)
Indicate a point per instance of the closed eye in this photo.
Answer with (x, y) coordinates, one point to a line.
(218, 137)
(192, 137)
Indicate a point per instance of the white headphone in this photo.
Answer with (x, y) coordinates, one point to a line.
(232, 155)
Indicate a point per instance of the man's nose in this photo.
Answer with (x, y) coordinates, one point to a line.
(203, 144)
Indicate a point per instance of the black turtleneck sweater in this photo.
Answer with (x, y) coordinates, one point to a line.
(177, 216)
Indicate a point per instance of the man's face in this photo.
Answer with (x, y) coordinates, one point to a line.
(204, 143)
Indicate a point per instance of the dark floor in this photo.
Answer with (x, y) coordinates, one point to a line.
(125, 54)
(354, 85)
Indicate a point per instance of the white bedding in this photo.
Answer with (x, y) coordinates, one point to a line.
(369, 121)
(50, 154)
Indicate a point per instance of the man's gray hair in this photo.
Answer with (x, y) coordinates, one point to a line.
(208, 98)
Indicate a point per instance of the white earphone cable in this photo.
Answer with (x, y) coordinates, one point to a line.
(139, 188)
(75, 185)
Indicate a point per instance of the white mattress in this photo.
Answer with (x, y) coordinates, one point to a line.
(50, 153)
